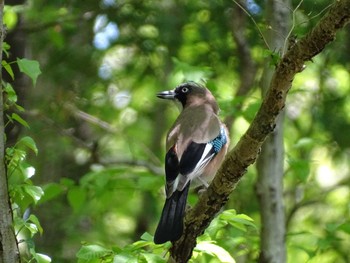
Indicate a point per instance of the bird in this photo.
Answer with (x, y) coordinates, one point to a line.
(196, 145)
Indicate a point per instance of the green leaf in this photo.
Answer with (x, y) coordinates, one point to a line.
(124, 258)
(8, 68)
(29, 67)
(273, 56)
(66, 182)
(11, 93)
(76, 198)
(51, 190)
(215, 250)
(137, 245)
(227, 214)
(5, 48)
(152, 258)
(19, 108)
(244, 219)
(239, 221)
(34, 191)
(91, 252)
(29, 143)
(345, 227)
(41, 258)
(147, 237)
(32, 218)
(33, 229)
(301, 168)
(10, 17)
(19, 119)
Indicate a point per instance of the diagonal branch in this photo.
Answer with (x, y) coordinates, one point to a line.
(247, 149)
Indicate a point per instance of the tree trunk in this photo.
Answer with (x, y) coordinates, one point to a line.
(269, 187)
(8, 251)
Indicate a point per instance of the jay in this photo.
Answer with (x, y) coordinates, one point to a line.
(195, 148)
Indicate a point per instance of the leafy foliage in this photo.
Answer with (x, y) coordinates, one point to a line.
(23, 193)
(146, 251)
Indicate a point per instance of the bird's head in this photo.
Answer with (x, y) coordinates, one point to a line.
(190, 94)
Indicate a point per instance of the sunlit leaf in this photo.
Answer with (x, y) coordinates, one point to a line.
(35, 221)
(41, 258)
(147, 237)
(124, 258)
(244, 219)
(34, 191)
(33, 229)
(215, 250)
(137, 245)
(10, 17)
(240, 221)
(152, 258)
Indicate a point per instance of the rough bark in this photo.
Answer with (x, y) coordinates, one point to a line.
(8, 244)
(248, 147)
(269, 186)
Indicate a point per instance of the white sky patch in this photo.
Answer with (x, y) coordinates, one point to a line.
(105, 32)
(119, 98)
(115, 59)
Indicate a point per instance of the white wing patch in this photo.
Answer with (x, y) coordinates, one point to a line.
(202, 163)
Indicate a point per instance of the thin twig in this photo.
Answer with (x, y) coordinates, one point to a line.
(256, 25)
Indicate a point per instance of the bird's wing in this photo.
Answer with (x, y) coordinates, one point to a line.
(190, 146)
(193, 161)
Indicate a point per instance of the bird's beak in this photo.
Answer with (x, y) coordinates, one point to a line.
(168, 94)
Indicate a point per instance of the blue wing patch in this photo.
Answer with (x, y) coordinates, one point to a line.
(219, 141)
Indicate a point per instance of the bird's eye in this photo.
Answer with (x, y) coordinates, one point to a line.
(184, 89)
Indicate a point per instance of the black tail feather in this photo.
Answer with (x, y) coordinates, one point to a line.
(170, 226)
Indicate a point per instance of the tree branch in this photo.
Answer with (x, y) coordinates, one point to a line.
(247, 149)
